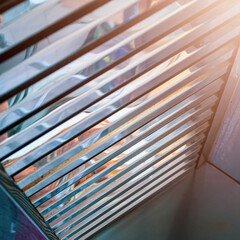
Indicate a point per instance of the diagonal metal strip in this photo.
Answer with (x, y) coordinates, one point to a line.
(52, 28)
(141, 136)
(169, 180)
(150, 33)
(205, 116)
(111, 109)
(88, 47)
(18, 139)
(101, 147)
(32, 11)
(146, 187)
(54, 24)
(189, 137)
(48, 123)
(125, 159)
(121, 162)
(128, 187)
(66, 41)
(176, 86)
(24, 110)
(6, 5)
(61, 223)
(114, 178)
(91, 153)
(154, 176)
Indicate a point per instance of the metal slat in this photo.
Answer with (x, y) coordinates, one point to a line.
(88, 47)
(60, 223)
(31, 11)
(147, 189)
(25, 136)
(122, 161)
(114, 178)
(155, 174)
(52, 28)
(70, 42)
(63, 16)
(6, 5)
(159, 109)
(29, 14)
(169, 181)
(47, 196)
(57, 221)
(104, 113)
(141, 136)
(162, 146)
(114, 139)
(47, 123)
(46, 169)
(20, 113)
(95, 211)
(62, 45)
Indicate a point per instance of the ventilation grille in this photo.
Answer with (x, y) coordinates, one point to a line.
(105, 103)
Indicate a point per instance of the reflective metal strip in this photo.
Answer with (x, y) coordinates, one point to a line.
(52, 121)
(61, 158)
(118, 104)
(146, 188)
(88, 155)
(36, 37)
(75, 41)
(91, 153)
(22, 111)
(28, 12)
(88, 47)
(187, 138)
(59, 221)
(162, 146)
(141, 136)
(7, 4)
(98, 208)
(92, 45)
(122, 161)
(155, 174)
(170, 180)
(72, 42)
(36, 33)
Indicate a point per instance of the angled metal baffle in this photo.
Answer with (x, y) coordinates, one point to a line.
(105, 103)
